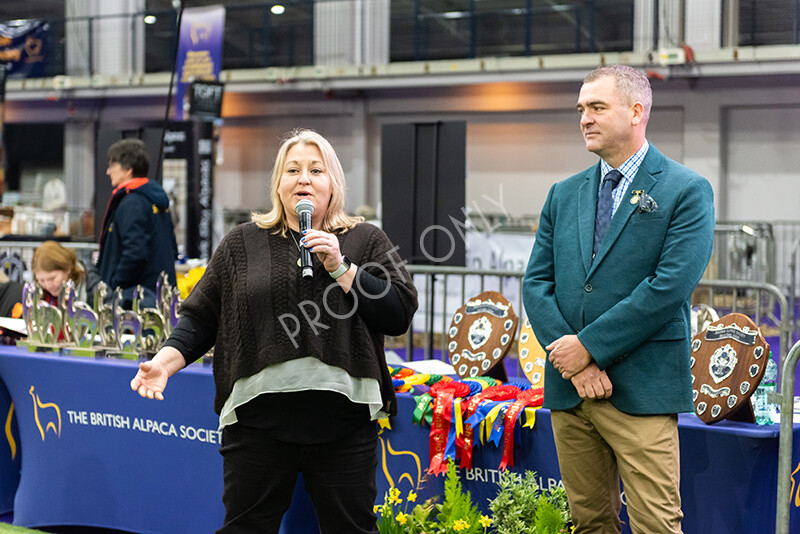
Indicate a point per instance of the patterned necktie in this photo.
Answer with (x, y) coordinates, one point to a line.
(605, 206)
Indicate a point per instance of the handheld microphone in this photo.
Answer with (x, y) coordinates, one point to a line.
(304, 210)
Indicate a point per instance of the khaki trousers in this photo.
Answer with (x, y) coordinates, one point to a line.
(597, 445)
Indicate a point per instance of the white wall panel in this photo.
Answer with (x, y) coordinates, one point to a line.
(248, 154)
(526, 155)
(763, 163)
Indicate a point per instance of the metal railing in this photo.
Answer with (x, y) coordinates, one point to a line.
(438, 301)
(785, 398)
(442, 290)
(763, 251)
(744, 251)
(793, 276)
(16, 256)
(764, 303)
(786, 234)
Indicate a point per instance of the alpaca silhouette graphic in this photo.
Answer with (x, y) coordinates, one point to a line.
(411, 465)
(12, 444)
(51, 415)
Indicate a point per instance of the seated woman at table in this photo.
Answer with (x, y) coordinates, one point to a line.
(299, 363)
(53, 264)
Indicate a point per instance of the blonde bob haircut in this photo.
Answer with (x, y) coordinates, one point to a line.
(336, 219)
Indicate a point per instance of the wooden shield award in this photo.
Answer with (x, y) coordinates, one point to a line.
(728, 361)
(481, 333)
(531, 355)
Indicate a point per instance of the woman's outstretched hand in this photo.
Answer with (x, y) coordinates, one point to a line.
(151, 379)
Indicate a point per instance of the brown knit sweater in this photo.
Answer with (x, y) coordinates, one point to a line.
(265, 313)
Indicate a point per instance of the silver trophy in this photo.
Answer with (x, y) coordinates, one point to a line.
(29, 297)
(167, 300)
(50, 322)
(62, 306)
(105, 317)
(43, 322)
(127, 330)
(83, 323)
(152, 324)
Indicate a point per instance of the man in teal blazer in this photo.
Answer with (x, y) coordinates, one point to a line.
(613, 308)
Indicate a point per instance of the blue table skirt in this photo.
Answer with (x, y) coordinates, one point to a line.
(10, 454)
(94, 453)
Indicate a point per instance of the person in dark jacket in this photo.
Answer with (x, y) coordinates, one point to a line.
(299, 363)
(10, 297)
(137, 240)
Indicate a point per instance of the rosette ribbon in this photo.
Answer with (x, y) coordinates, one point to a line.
(466, 440)
(531, 397)
(402, 385)
(443, 394)
(496, 422)
(423, 411)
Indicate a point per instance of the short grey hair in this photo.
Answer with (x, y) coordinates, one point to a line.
(632, 85)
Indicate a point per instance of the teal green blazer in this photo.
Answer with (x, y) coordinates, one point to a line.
(630, 305)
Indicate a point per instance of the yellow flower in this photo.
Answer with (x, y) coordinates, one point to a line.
(460, 524)
(394, 492)
(375, 509)
(485, 521)
(402, 518)
(412, 497)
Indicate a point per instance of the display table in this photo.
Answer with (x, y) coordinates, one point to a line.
(728, 470)
(10, 457)
(94, 453)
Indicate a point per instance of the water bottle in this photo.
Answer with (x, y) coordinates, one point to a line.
(766, 412)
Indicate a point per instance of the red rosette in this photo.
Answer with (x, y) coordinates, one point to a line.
(465, 442)
(457, 389)
(443, 394)
(529, 397)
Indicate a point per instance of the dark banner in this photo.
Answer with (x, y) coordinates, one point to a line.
(23, 49)
(192, 142)
(205, 100)
(2, 128)
(199, 51)
(200, 194)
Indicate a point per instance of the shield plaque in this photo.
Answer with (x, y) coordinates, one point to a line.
(728, 360)
(531, 355)
(481, 333)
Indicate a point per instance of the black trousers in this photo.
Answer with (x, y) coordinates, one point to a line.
(260, 473)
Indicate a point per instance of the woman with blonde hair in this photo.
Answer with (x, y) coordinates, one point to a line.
(53, 264)
(299, 364)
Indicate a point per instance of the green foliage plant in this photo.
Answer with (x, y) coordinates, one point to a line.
(457, 514)
(520, 506)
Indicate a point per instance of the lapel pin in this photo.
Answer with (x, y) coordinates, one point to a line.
(635, 197)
